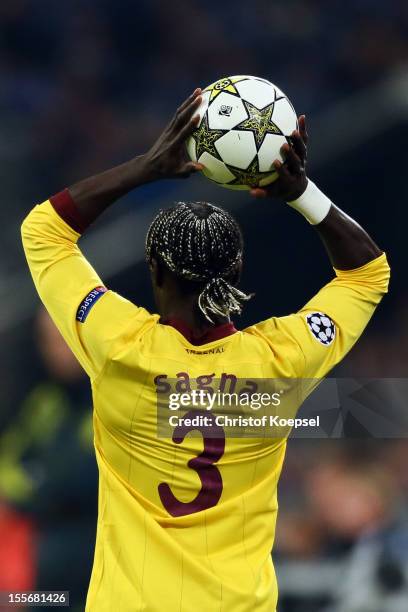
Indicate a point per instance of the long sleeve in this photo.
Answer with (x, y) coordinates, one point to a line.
(327, 327)
(90, 317)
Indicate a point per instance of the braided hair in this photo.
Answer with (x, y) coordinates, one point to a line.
(201, 243)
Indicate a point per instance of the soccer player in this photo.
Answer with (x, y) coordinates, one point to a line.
(187, 523)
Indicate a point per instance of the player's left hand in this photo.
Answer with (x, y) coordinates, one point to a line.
(168, 157)
(292, 179)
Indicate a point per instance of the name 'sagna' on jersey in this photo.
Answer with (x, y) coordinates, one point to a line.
(182, 382)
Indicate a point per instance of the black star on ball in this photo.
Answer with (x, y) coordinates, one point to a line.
(251, 176)
(259, 122)
(205, 138)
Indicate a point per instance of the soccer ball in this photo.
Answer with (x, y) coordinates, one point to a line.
(244, 122)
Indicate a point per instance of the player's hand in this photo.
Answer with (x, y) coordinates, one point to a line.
(168, 157)
(292, 179)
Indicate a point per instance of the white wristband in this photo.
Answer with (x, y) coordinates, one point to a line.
(312, 204)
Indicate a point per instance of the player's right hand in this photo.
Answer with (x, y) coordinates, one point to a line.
(168, 157)
(292, 179)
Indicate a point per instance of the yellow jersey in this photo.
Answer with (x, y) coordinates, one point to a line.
(185, 523)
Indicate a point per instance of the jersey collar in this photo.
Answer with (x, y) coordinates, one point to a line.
(213, 333)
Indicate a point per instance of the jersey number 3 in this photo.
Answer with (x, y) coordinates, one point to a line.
(210, 477)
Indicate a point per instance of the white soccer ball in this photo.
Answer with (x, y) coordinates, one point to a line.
(244, 122)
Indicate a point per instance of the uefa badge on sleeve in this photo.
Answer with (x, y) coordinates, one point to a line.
(321, 327)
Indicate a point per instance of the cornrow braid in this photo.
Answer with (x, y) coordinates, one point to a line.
(202, 243)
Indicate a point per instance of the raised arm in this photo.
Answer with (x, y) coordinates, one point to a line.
(91, 318)
(330, 323)
(166, 159)
(347, 243)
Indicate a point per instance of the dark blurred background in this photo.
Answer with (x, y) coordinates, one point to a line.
(87, 84)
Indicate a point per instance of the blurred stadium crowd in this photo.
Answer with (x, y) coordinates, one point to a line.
(85, 85)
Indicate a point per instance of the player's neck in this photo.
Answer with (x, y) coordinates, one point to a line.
(185, 309)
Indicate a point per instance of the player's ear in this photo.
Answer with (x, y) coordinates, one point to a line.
(156, 271)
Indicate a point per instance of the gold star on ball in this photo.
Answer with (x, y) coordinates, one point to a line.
(259, 122)
(251, 176)
(205, 138)
(227, 84)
